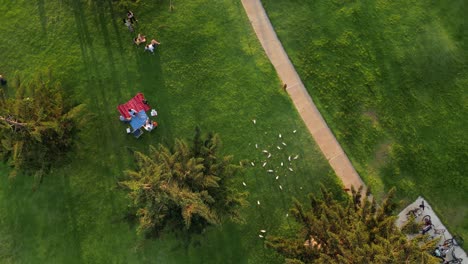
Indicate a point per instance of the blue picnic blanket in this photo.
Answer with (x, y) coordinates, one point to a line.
(138, 120)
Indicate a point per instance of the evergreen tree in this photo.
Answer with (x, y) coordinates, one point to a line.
(356, 230)
(36, 126)
(184, 186)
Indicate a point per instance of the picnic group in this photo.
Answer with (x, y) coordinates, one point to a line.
(130, 21)
(141, 119)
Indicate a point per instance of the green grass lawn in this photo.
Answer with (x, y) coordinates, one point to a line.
(390, 78)
(208, 71)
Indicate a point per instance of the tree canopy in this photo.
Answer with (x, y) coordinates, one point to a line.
(37, 125)
(184, 186)
(357, 230)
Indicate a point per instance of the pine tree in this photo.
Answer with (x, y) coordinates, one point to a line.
(356, 230)
(37, 126)
(183, 186)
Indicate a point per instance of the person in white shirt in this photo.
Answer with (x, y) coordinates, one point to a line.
(150, 47)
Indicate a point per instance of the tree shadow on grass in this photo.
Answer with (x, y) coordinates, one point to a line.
(42, 16)
(152, 82)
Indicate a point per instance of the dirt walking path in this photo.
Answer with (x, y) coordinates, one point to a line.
(299, 95)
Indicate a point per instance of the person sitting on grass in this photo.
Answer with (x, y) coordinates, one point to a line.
(2, 80)
(150, 47)
(131, 17)
(140, 39)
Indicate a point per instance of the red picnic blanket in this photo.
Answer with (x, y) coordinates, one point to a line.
(134, 103)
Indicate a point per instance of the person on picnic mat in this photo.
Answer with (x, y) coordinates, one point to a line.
(149, 125)
(132, 112)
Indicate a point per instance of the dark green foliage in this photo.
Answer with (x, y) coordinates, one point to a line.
(412, 226)
(357, 230)
(37, 126)
(184, 186)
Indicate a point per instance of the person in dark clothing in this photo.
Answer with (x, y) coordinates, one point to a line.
(131, 17)
(2, 80)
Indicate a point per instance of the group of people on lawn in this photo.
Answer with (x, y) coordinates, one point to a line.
(148, 126)
(129, 21)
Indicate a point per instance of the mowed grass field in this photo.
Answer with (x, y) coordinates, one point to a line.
(209, 70)
(390, 78)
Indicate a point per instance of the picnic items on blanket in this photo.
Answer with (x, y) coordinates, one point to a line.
(133, 113)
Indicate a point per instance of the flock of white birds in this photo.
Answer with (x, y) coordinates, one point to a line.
(282, 168)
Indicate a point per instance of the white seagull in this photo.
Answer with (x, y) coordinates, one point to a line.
(264, 164)
(290, 169)
(243, 183)
(254, 121)
(283, 143)
(253, 164)
(297, 156)
(281, 187)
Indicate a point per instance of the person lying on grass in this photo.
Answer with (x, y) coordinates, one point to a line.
(150, 47)
(131, 17)
(140, 39)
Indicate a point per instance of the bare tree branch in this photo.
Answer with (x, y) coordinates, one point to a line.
(12, 122)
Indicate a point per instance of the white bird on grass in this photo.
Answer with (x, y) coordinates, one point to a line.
(254, 121)
(281, 164)
(297, 156)
(265, 151)
(258, 202)
(290, 169)
(256, 146)
(264, 164)
(243, 183)
(260, 236)
(253, 164)
(277, 177)
(289, 158)
(270, 171)
(278, 147)
(281, 187)
(294, 131)
(283, 143)
(279, 135)
(269, 155)
(263, 231)
(287, 215)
